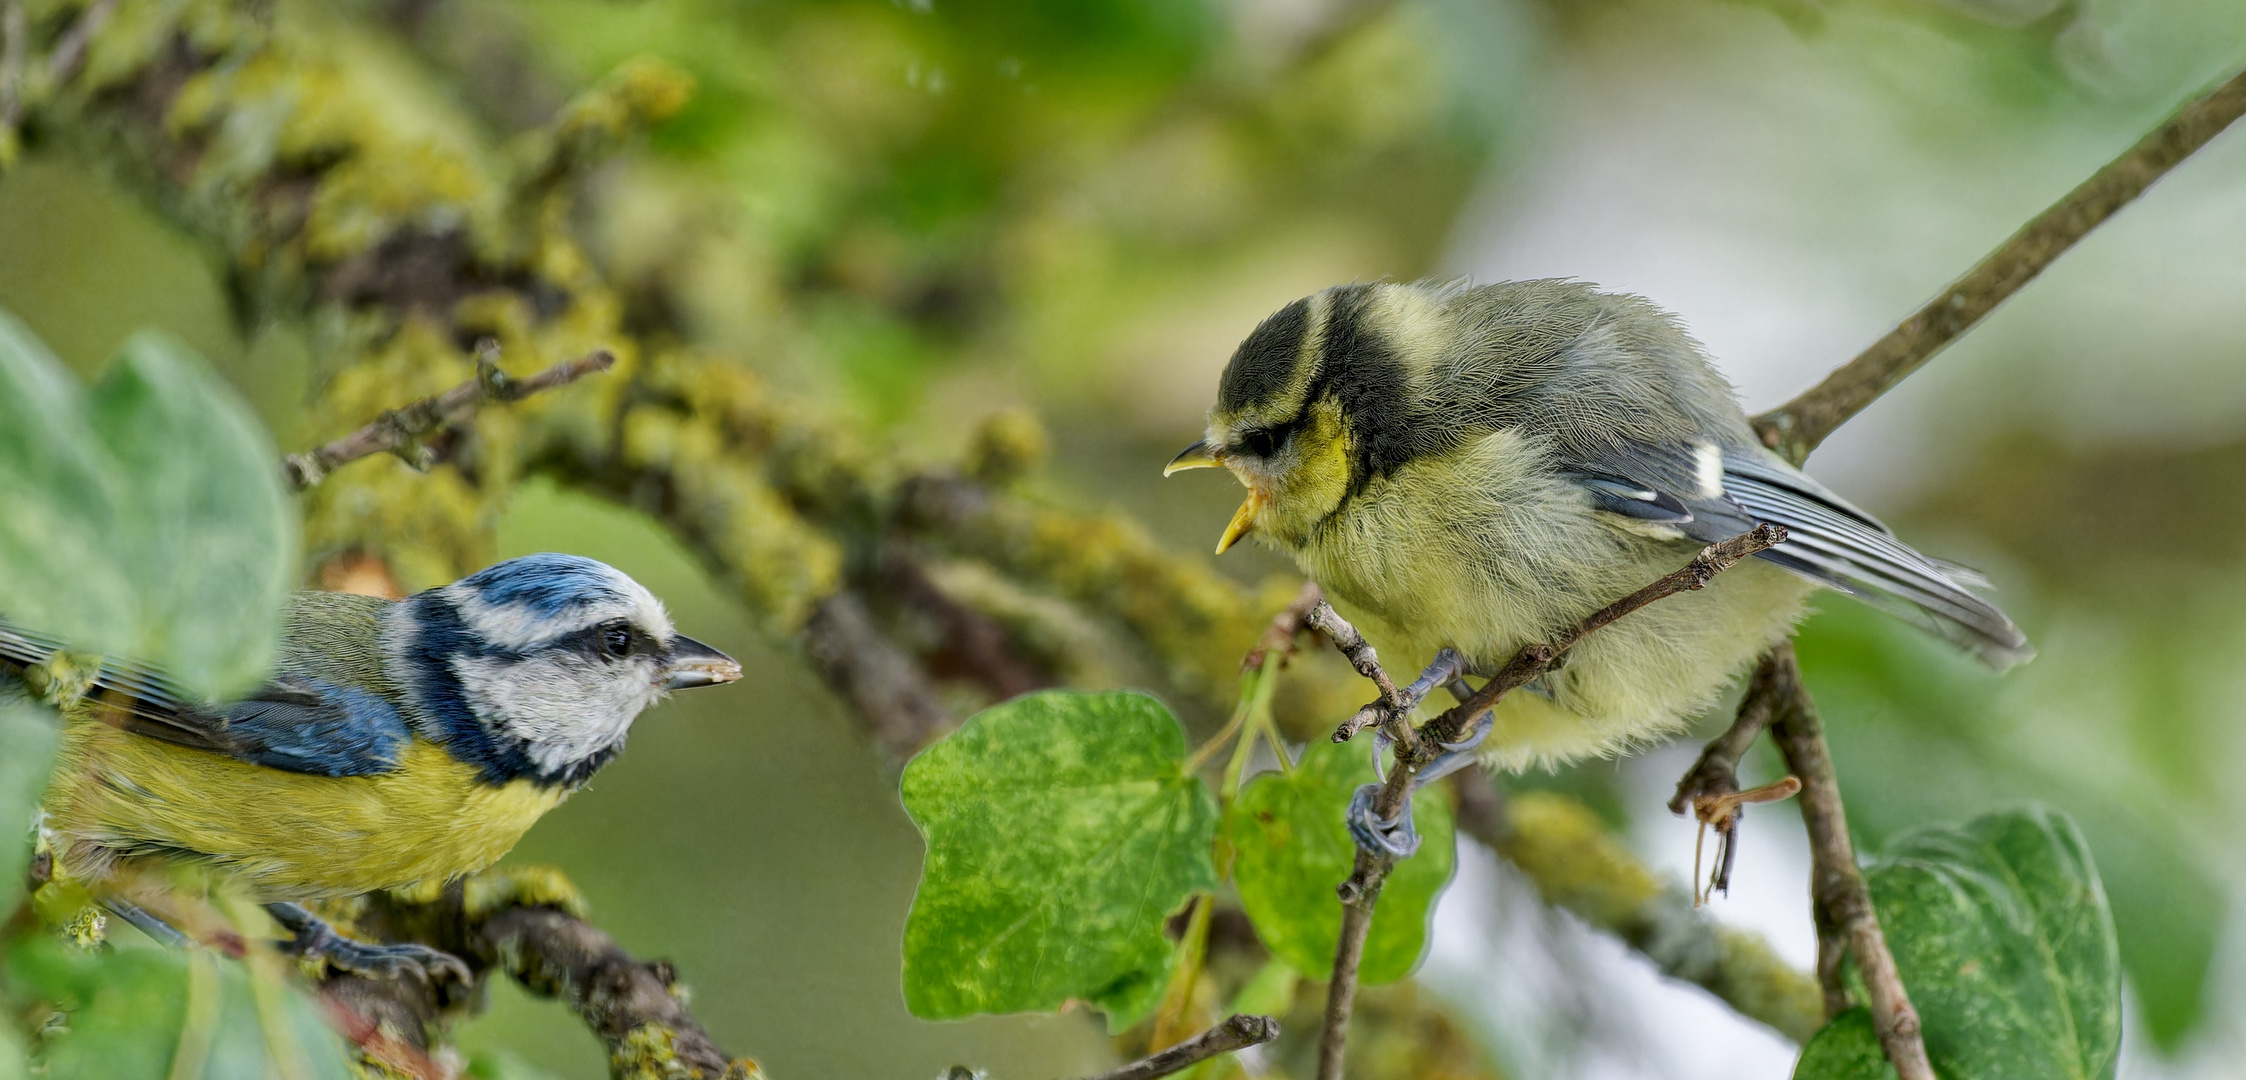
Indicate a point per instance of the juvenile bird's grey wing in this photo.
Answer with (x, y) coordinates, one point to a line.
(297, 723)
(1725, 491)
(1675, 484)
(1836, 544)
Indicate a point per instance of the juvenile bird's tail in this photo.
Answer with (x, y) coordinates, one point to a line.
(1835, 544)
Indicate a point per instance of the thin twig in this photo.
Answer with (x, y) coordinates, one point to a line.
(401, 430)
(1237, 1033)
(1840, 901)
(70, 48)
(1392, 713)
(1535, 660)
(1795, 428)
(1361, 893)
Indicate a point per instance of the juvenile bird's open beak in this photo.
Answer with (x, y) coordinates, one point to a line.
(695, 664)
(1243, 519)
(1198, 456)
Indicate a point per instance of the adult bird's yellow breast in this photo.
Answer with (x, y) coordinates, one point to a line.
(290, 836)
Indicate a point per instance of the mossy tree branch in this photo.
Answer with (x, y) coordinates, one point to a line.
(794, 515)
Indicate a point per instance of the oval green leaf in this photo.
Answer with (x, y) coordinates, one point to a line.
(145, 519)
(2003, 937)
(2002, 934)
(1062, 832)
(57, 570)
(1292, 847)
(210, 536)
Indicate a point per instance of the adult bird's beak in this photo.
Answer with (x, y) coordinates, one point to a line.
(1198, 456)
(695, 664)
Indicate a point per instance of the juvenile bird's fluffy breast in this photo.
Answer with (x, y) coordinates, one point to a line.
(1488, 549)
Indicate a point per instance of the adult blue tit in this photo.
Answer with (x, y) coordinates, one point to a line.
(1477, 468)
(394, 743)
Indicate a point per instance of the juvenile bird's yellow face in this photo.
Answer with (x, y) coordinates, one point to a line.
(1293, 482)
(1282, 423)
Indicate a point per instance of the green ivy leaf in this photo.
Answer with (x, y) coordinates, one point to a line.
(28, 735)
(1292, 848)
(150, 1014)
(1062, 831)
(1846, 1048)
(2001, 932)
(146, 518)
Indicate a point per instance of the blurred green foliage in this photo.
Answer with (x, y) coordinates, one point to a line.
(913, 213)
(145, 518)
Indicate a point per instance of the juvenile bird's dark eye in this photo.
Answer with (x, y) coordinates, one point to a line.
(616, 639)
(1262, 442)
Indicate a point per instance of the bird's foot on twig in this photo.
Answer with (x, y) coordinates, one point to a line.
(1395, 836)
(312, 937)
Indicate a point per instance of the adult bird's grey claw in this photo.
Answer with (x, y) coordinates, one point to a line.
(693, 664)
(311, 935)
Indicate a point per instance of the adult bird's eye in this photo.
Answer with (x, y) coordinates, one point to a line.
(1262, 442)
(616, 639)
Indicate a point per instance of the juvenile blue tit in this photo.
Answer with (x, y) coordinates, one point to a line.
(395, 742)
(1477, 469)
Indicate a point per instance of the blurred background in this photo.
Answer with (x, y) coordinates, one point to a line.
(910, 214)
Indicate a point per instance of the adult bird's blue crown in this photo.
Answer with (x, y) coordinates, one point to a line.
(535, 667)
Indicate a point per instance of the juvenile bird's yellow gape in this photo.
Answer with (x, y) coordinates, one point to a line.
(1479, 468)
(395, 743)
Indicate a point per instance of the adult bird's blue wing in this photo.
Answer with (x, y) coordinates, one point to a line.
(1728, 490)
(295, 723)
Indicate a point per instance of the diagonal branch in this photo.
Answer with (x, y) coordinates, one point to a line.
(1841, 902)
(1795, 428)
(402, 431)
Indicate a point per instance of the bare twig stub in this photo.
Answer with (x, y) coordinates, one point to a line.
(1841, 903)
(1280, 636)
(1361, 893)
(1237, 1033)
(1393, 711)
(1795, 428)
(401, 430)
(1710, 789)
